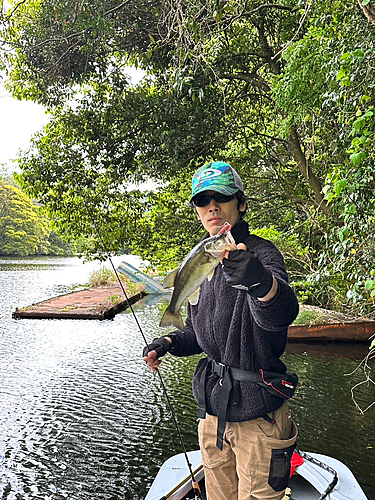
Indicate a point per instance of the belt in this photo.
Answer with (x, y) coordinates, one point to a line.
(281, 385)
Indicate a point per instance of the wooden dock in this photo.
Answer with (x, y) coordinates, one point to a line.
(93, 303)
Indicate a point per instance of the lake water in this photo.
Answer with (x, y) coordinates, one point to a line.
(82, 417)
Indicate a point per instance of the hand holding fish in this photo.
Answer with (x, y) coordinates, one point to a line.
(243, 270)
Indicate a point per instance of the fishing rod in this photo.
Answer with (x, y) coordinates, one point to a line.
(196, 488)
(198, 494)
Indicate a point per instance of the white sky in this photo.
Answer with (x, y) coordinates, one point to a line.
(20, 120)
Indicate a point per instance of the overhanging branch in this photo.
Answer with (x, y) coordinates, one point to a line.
(256, 82)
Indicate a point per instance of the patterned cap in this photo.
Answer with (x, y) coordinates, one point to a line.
(216, 176)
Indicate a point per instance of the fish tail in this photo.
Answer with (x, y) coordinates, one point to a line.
(172, 319)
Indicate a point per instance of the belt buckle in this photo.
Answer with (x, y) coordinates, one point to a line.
(222, 369)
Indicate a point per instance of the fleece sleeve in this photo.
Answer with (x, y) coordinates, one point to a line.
(282, 310)
(185, 342)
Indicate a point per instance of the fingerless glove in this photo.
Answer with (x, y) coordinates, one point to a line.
(160, 345)
(243, 270)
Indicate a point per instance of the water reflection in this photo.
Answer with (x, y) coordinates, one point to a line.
(82, 417)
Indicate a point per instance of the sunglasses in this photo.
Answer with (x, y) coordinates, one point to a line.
(202, 200)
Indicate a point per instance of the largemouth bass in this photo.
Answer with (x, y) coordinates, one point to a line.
(198, 265)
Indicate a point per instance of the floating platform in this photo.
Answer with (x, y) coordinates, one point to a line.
(93, 303)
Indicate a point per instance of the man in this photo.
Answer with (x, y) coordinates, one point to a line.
(246, 433)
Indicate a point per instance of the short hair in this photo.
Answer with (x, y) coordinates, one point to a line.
(241, 199)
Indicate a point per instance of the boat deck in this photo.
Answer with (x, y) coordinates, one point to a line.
(310, 479)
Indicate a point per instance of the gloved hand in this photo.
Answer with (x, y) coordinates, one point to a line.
(160, 345)
(243, 270)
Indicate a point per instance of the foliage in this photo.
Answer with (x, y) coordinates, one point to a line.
(21, 231)
(106, 277)
(102, 276)
(284, 93)
(24, 228)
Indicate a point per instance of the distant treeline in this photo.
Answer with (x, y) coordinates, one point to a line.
(25, 228)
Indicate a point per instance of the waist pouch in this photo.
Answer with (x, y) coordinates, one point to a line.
(282, 385)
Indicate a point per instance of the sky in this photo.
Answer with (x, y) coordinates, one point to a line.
(20, 120)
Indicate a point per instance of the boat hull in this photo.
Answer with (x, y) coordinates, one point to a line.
(173, 481)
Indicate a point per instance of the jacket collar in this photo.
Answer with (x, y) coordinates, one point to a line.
(240, 231)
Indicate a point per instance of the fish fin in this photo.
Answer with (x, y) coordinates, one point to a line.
(211, 275)
(172, 319)
(169, 279)
(194, 297)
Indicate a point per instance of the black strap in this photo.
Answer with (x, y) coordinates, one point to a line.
(246, 376)
(226, 387)
(202, 392)
(281, 385)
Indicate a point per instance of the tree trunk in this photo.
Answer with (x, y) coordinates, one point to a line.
(313, 181)
(368, 10)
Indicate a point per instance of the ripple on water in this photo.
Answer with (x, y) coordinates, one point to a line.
(82, 417)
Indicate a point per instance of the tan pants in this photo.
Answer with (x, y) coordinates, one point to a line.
(255, 461)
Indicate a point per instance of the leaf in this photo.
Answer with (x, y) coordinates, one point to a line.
(357, 158)
(369, 285)
(358, 124)
(347, 55)
(372, 344)
(340, 186)
(341, 74)
(365, 2)
(345, 82)
(359, 53)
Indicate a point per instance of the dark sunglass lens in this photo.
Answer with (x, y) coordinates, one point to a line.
(201, 200)
(222, 198)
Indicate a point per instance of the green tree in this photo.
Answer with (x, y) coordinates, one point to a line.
(282, 92)
(21, 230)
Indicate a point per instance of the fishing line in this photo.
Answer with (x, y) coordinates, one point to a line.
(196, 487)
(195, 483)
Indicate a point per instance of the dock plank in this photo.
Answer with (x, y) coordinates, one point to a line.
(93, 303)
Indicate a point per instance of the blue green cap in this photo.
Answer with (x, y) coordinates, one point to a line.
(216, 176)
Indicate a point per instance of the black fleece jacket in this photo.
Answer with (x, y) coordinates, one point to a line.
(238, 330)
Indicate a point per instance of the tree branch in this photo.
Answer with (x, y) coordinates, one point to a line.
(14, 10)
(269, 6)
(300, 159)
(259, 83)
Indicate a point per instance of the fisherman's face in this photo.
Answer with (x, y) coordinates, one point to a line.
(214, 215)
